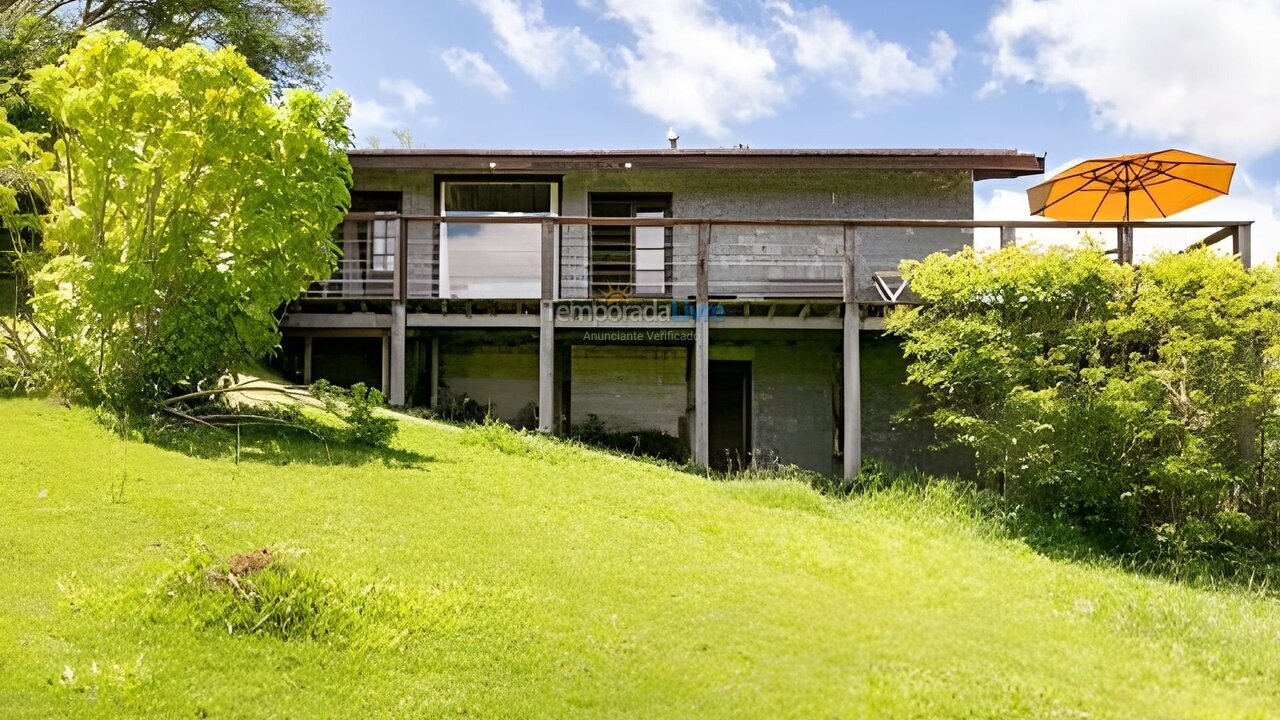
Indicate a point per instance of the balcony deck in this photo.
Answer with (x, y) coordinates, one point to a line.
(722, 258)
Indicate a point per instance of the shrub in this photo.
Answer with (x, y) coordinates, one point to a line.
(648, 443)
(1138, 401)
(357, 409)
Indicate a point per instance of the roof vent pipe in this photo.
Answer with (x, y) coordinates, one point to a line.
(672, 137)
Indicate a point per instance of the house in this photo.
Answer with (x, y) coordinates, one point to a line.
(731, 300)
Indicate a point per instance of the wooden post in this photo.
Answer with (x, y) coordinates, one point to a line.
(306, 360)
(399, 278)
(547, 334)
(1124, 244)
(701, 354)
(852, 360)
(396, 359)
(1243, 244)
(1008, 236)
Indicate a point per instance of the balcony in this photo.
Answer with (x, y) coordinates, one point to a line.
(392, 256)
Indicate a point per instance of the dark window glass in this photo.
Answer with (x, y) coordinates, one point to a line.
(368, 201)
(498, 197)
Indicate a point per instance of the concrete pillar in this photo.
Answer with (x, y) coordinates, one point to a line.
(852, 391)
(547, 334)
(396, 361)
(851, 380)
(386, 365)
(435, 372)
(701, 398)
(306, 360)
(1244, 245)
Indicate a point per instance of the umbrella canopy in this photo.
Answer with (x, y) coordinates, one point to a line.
(1132, 187)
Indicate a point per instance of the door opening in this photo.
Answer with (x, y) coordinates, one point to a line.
(729, 434)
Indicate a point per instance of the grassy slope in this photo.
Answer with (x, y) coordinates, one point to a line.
(565, 582)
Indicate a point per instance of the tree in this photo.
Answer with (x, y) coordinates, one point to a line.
(185, 206)
(281, 39)
(1141, 401)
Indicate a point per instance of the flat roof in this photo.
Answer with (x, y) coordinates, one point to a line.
(985, 164)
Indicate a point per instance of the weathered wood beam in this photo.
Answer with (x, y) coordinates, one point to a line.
(1008, 236)
(547, 333)
(701, 355)
(1244, 244)
(1124, 244)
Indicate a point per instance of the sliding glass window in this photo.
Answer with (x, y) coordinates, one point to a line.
(493, 261)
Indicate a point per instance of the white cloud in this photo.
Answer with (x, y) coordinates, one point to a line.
(542, 50)
(860, 65)
(410, 94)
(689, 66)
(370, 117)
(1201, 72)
(471, 67)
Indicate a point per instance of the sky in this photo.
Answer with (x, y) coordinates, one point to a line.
(1068, 79)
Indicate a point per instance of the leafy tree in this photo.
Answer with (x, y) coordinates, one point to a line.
(281, 39)
(184, 206)
(1143, 400)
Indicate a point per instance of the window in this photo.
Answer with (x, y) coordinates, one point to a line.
(632, 261)
(386, 235)
(489, 260)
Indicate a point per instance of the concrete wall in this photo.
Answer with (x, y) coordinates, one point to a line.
(630, 387)
(497, 370)
(744, 258)
(793, 386)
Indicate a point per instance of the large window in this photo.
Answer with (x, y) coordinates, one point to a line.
(495, 261)
(630, 261)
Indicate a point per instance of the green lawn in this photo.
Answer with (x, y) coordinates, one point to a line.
(517, 577)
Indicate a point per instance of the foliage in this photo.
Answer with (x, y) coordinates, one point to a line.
(280, 39)
(1137, 401)
(357, 409)
(648, 443)
(184, 207)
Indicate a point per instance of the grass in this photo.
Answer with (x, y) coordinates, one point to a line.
(487, 573)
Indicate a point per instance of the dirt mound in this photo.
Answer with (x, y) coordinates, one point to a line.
(247, 563)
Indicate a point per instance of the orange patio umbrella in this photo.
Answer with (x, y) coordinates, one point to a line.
(1132, 187)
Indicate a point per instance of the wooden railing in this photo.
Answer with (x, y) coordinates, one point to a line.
(745, 258)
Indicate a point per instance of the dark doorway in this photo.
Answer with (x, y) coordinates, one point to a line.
(345, 361)
(729, 390)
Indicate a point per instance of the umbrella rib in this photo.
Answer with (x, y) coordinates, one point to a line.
(1098, 209)
(1159, 209)
(1193, 182)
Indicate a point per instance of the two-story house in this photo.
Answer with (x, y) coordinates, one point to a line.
(731, 299)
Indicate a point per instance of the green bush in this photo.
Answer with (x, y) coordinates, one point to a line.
(357, 409)
(1140, 402)
(648, 443)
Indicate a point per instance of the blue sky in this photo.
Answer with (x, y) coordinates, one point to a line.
(1066, 78)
